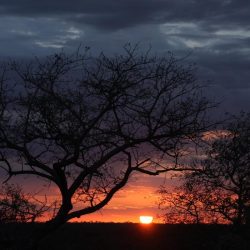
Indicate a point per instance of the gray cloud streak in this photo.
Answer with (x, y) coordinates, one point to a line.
(115, 14)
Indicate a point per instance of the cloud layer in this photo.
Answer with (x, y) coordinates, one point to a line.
(217, 33)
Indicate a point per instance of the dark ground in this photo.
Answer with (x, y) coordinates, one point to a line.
(111, 236)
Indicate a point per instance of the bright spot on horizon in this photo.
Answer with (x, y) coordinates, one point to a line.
(146, 219)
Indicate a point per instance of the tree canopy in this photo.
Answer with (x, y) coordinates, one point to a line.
(220, 190)
(16, 206)
(87, 123)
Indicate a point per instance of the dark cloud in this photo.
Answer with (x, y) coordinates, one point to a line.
(216, 32)
(115, 14)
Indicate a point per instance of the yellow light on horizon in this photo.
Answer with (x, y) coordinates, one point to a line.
(146, 219)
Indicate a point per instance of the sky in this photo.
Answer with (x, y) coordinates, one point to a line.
(215, 34)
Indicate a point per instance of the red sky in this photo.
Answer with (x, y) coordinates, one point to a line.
(138, 197)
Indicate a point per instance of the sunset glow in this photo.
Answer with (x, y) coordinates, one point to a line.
(146, 219)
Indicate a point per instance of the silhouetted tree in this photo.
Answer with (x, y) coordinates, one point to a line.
(15, 206)
(184, 205)
(220, 190)
(87, 123)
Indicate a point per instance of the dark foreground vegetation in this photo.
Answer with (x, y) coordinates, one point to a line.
(108, 236)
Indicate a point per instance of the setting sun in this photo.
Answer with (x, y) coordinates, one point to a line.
(146, 219)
